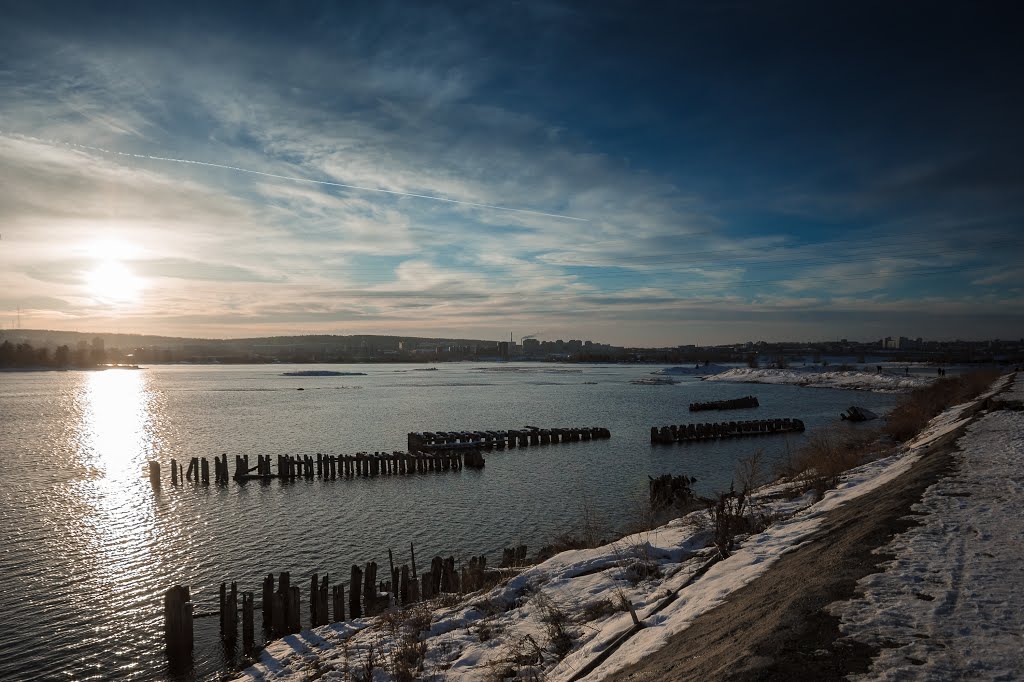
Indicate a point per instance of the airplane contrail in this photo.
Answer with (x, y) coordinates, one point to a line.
(292, 178)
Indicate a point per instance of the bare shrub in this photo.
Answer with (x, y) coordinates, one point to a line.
(914, 410)
(588, 533)
(408, 650)
(364, 672)
(521, 659)
(556, 624)
(599, 609)
(729, 519)
(750, 471)
(821, 460)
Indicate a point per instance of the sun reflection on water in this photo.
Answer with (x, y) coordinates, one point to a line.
(116, 434)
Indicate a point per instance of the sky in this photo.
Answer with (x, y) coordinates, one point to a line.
(641, 174)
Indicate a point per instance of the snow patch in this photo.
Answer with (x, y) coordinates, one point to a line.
(947, 606)
(853, 380)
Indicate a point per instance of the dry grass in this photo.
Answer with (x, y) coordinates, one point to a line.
(820, 461)
(915, 409)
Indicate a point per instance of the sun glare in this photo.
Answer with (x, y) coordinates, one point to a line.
(112, 281)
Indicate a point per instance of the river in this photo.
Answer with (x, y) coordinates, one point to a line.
(88, 547)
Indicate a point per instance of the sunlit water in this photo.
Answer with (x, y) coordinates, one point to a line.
(87, 546)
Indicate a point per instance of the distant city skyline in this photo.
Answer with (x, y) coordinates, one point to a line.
(685, 174)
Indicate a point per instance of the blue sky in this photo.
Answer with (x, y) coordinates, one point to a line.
(724, 171)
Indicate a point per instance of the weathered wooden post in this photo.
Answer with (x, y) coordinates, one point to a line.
(436, 572)
(370, 588)
(414, 590)
(230, 616)
(174, 471)
(178, 622)
(403, 588)
(154, 474)
(339, 603)
(280, 613)
(248, 622)
(205, 471)
(355, 606)
(314, 601)
(412, 556)
(268, 603)
(293, 610)
(427, 580)
(321, 610)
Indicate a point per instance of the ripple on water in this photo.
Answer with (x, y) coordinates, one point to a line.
(88, 548)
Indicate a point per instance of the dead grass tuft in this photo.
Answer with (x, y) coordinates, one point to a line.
(822, 459)
(915, 409)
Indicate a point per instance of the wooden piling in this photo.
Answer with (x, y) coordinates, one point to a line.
(293, 610)
(248, 622)
(370, 588)
(338, 597)
(178, 623)
(268, 602)
(314, 601)
(154, 474)
(355, 607)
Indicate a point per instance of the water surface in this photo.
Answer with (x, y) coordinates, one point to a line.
(88, 547)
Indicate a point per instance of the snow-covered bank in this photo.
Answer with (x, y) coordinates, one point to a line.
(556, 617)
(948, 606)
(697, 370)
(855, 380)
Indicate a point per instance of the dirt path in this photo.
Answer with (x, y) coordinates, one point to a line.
(775, 628)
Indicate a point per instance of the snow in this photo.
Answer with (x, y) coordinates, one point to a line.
(947, 606)
(856, 380)
(510, 625)
(697, 370)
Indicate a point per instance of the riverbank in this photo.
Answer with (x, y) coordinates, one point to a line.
(560, 618)
(877, 381)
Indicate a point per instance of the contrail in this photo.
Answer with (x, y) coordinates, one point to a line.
(292, 178)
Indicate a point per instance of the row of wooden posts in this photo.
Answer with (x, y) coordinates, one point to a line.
(323, 466)
(756, 427)
(366, 597)
(732, 404)
(426, 441)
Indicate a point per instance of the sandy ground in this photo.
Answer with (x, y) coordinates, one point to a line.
(776, 628)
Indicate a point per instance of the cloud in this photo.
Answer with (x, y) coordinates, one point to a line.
(415, 105)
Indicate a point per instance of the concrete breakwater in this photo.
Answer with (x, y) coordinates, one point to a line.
(733, 404)
(696, 432)
(427, 441)
(280, 606)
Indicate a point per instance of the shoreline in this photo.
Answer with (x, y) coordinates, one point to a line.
(578, 583)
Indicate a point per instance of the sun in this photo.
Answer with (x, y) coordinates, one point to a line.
(113, 282)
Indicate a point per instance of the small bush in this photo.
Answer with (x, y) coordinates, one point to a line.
(729, 519)
(599, 609)
(913, 412)
(822, 459)
(556, 623)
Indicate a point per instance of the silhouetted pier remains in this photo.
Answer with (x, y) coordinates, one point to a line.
(700, 432)
(281, 601)
(733, 404)
(322, 466)
(428, 452)
(429, 441)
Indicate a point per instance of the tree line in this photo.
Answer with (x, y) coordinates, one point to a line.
(23, 355)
